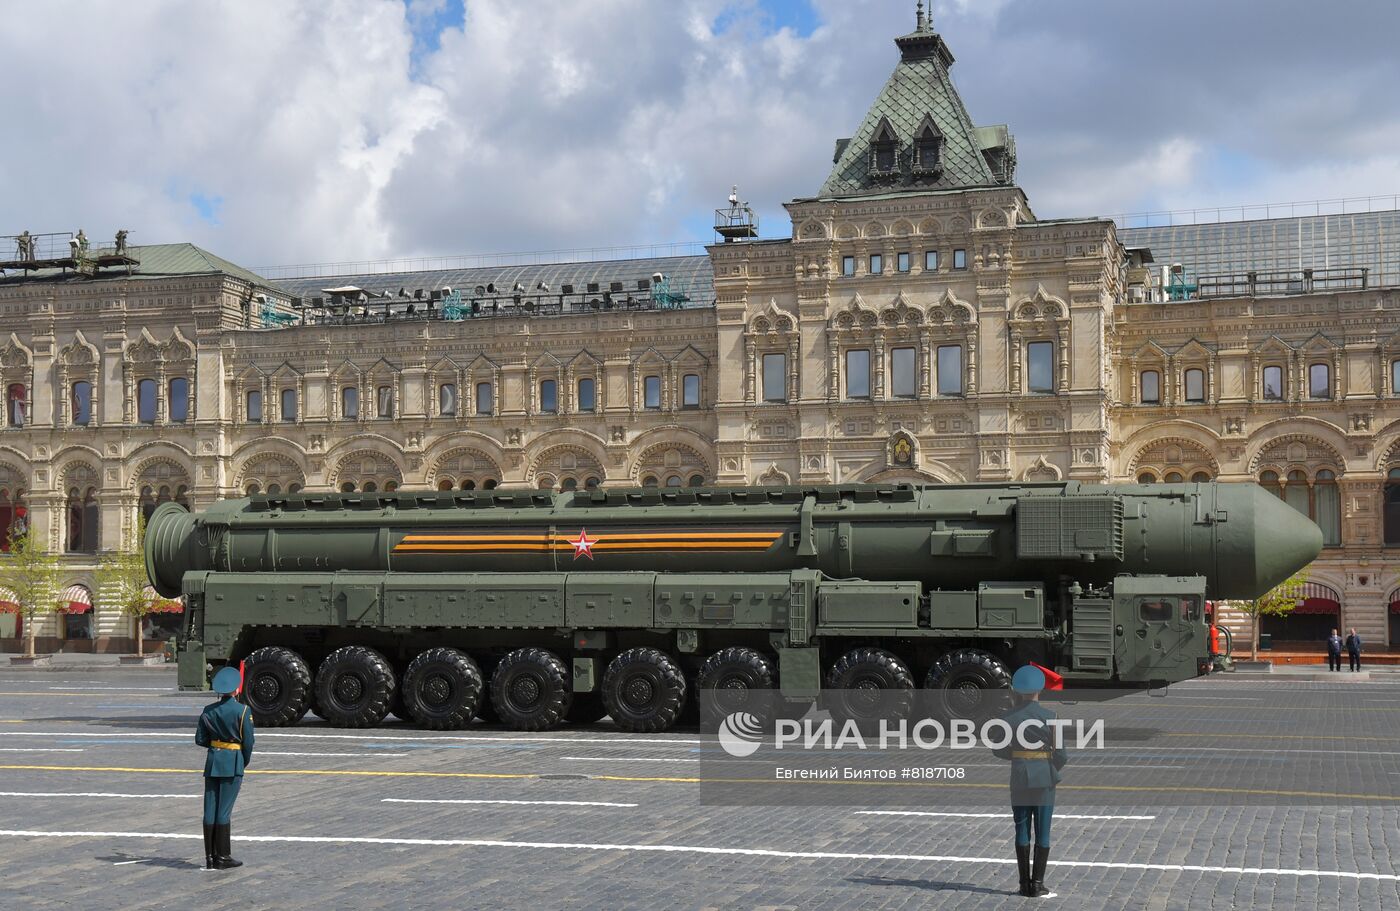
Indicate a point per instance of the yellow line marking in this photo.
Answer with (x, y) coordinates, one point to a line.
(363, 773)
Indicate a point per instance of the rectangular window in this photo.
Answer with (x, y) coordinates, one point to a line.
(1273, 384)
(289, 404)
(254, 410)
(1319, 381)
(1155, 611)
(651, 392)
(1151, 382)
(950, 370)
(146, 401)
(179, 389)
(483, 398)
(858, 373)
(775, 377)
(15, 400)
(901, 262)
(690, 391)
(1395, 377)
(848, 265)
(82, 404)
(930, 260)
(384, 400)
(1040, 375)
(350, 402)
(549, 397)
(959, 259)
(1195, 385)
(903, 373)
(877, 264)
(447, 399)
(587, 395)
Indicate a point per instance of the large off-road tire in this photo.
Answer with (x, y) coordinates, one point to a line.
(354, 687)
(276, 686)
(587, 708)
(729, 682)
(969, 683)
(531, 690)
(644, 690)
(866, 685)
(442, 689)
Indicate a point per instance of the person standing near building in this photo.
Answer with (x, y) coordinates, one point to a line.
(1035, 770)
(226, 730)
(1334, 652)
(1353, 651)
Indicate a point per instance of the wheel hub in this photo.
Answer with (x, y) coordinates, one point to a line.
(266, 689)
(525, 691)
(349, 688)
(436, 690)
(638, 692)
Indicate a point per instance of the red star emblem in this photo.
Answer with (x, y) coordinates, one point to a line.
(583, 545)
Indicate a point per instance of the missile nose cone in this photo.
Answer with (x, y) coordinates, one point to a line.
(1263, 542)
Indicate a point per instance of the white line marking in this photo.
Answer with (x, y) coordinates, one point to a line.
(547, 803)
(699, 849)
(983, 815)
(281, 753)
(124, 863)
(115, 689)
(398, 738)
(96, 794)
(41, 749)
(625, 759)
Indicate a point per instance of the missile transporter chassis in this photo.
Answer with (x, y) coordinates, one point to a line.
(537, 609)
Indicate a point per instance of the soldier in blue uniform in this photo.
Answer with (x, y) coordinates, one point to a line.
(226, 729)
(1035, 770)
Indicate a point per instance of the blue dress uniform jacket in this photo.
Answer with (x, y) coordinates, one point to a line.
(227, 721)
(1033, 780)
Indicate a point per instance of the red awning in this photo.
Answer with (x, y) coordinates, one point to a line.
(10, 607)
(161, 605)
(75, 599)
(1395, 607)
(1318, 606)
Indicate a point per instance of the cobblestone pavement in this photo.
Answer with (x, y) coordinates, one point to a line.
(99, 807)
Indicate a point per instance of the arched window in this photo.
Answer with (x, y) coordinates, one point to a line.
(649, 481)
(673, 481)
(469, 484)
(293, 487)
(15, 402)
(12, 516)
(545, 482)
(1392, 508)
(445, 484)
(1273, 383)
(179, 392)
(1151, 387)
(1295, 492)
(488, 484)
(146, 401)
(148, 503)
(1174, 477)
(1200, 477)
(569, 484)
(349, 402)
(82, 520)
(1147, 477)
(252, 490)
(591, 484)
(347, 487)
(182, 495)
(370, 487)
(82, 403)
(391, 486)
(1319, 381)
(274, 489)
(696, 480)
(1195, 385)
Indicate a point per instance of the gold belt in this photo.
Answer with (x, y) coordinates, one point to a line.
(1030, 754)
(225, 745)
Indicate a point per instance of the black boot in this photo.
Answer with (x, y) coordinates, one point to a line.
(1023, 866)
(211, 853)
(1038, 890)
(223, 836)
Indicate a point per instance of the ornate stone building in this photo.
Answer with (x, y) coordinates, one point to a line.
(919, 324)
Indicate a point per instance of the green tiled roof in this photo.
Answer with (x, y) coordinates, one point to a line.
(920, 88)
(156, 261)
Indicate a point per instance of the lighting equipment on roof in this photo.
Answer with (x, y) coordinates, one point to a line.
(542, 286)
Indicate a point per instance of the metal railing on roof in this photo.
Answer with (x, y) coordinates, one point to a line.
(1351, 205)
(482, 260)
(1301, 281)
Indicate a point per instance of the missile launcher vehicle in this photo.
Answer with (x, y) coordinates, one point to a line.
(537, 608)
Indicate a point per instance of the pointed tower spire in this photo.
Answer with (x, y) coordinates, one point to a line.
(920, 23)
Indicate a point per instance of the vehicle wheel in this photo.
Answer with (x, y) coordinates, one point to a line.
(969, 683)
(442, 689)
(644, 690)
(354, 687)
(728, 679)
(276, 686)
(868, 684)
(587, 708)
(531, 690)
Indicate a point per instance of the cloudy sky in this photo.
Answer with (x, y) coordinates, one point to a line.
(276, 132)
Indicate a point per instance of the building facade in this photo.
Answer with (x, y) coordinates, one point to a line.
(920, 324)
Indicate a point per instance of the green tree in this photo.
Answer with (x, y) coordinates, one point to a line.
(121, 582)
(1277, 602)
(31, 573)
